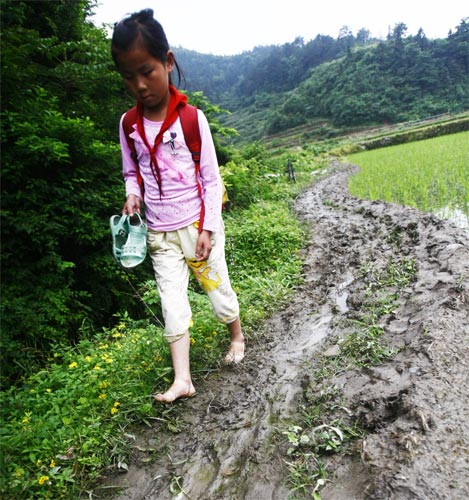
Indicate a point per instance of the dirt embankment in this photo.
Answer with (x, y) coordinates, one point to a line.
(414, 408)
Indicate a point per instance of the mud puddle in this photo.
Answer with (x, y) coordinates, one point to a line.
(413, 408)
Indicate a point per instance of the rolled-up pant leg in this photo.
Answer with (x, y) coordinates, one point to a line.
(212, 274)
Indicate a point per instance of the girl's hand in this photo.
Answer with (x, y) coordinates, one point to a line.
(204, 245)
(131, 205)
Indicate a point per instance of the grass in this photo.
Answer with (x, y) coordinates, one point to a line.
(320, 434)
(431, 175)
(66, 424)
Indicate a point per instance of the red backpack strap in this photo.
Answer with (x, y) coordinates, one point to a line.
(130, 119)
(188, 115)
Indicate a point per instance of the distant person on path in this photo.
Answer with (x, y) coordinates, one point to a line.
(183, 210)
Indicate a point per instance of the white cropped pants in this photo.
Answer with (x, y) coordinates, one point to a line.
(173, 256)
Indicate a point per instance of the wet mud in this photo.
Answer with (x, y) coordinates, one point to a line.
(413, 408)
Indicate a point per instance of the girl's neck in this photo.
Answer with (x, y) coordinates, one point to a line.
(155, 115)
(158, 111)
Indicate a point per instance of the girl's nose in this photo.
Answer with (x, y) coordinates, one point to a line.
(140, 83)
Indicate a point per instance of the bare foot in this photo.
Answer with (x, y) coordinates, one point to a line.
(236, 353)
(177, 391)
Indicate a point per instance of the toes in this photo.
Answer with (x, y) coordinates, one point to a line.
(172, 394)
(235, 354)
(167, 397)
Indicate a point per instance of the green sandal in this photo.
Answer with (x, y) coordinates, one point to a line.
(120, 232)
(135, 249)
(129, 236)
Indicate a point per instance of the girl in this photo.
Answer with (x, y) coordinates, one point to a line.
(173, 195)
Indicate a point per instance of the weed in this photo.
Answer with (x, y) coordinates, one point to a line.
(365, 347)
(460, 287)
(316, 438)
(331, 204)
(307, 476)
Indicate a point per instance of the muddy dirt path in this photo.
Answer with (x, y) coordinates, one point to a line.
(414, 408)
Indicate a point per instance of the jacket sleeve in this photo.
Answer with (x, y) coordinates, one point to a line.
(129, 169)
(210, 177)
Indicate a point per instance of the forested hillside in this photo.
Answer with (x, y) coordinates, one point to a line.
(233, 81)
(345, 82)
(61, 103)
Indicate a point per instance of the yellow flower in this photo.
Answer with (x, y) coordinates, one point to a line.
(52, 464)
(104, 384)
(43, 479)
(97, 368)
(88, 359)
(116, 404)
(74, 364)
(102, 396)
(103, 346)
(49, 390)
(18, 473)
(117, 335)
(114, 410)
(192, 340)
(106, 358)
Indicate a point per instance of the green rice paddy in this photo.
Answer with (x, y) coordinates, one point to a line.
(431, 175)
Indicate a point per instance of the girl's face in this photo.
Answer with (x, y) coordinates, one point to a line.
(147, 79)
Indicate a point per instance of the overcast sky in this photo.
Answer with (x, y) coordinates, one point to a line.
(223, 28)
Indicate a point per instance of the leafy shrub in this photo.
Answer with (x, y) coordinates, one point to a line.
(67, 422)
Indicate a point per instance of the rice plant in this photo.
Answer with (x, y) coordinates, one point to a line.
(431, 175)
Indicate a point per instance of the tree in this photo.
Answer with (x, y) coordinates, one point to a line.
(346, 39)
(363, 36)
(60, 178)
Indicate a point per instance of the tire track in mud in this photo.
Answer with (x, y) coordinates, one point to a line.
(226, 450)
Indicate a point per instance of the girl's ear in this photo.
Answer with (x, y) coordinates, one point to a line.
(170, 61)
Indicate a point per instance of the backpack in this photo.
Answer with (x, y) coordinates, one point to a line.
(190, 128)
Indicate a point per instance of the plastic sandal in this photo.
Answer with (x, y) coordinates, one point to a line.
(120, 233)
(135, 249)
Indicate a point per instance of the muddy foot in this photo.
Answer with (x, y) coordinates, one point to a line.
(178, 390)
(235, 354)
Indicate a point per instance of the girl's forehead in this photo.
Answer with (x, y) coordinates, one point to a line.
(135, 57)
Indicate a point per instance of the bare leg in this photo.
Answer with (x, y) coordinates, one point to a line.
(182, 386)
(236, 352)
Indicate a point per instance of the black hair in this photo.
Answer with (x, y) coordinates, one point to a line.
(142, 26)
